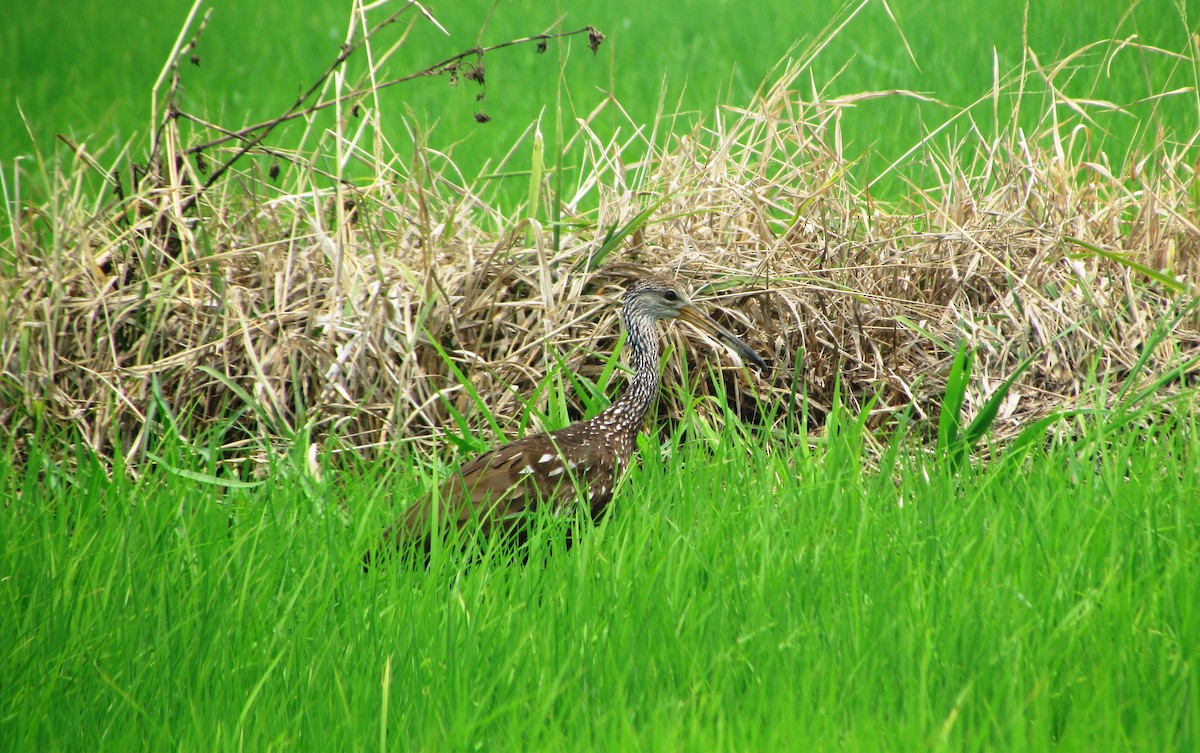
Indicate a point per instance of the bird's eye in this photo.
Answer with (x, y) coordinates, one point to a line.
(671, 295)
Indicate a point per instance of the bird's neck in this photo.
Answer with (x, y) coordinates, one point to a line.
(631, 407)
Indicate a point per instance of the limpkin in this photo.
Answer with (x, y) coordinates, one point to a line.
(585, 459)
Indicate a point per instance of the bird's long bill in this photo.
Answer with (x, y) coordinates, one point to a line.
(705, 323)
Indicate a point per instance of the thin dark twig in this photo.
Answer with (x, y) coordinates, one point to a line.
(276, 153)
(434, 70)
(347, 50)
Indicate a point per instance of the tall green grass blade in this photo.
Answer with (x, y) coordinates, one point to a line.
(261, 411)
(200, 477)
(164, 408)
(991, 407)
(949, 438)
(473, 393)
(1162, 330)
(1117, 257)
(1036, 432)
(616, 236)
(536, 169)
(589, 393)
(924, 332)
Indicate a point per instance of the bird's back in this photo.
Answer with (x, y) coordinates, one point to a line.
(502, 487)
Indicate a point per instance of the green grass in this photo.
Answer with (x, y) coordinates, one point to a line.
(746, 595)
(85, 68)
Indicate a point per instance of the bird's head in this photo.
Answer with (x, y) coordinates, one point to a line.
(656, 298)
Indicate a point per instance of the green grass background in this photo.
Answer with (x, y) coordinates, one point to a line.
(85, 67)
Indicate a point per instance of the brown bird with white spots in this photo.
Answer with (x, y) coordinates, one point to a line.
(584, 460)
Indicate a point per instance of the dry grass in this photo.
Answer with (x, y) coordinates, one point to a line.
(316, 303)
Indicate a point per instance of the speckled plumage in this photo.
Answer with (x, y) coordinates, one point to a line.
(500, 486)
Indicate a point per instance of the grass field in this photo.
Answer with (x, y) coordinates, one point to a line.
(741, 599)
(174, 574)
(85, 69)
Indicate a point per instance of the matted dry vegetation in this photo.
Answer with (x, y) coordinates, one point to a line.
(257, 309)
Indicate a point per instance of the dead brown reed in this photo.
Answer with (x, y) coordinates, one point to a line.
(318, 306)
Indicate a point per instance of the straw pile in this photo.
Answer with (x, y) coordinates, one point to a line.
(249, 312)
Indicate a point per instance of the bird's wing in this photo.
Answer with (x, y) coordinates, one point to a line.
(502, 485)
